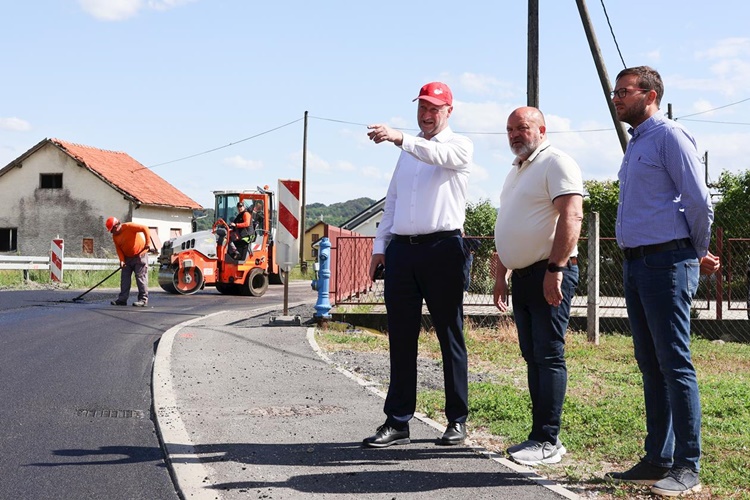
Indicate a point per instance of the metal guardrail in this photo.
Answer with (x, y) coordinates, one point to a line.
(23, 263)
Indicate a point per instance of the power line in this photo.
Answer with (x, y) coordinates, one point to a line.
(716, 121)
(714, 109)
(226, 145)
(458, 131)
(406, 129)
(611, 30)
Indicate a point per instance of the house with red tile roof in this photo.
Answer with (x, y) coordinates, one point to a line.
(66, 190)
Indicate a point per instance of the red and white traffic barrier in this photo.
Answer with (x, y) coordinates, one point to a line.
(56, 260)
(287, 235)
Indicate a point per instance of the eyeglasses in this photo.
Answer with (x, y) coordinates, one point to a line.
(623, 93)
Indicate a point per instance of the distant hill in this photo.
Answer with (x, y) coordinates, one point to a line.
(335, 214)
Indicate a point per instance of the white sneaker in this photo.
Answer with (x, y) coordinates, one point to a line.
(535, 453)
(513, 449)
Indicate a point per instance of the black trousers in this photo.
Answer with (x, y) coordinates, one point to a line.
(432, 271)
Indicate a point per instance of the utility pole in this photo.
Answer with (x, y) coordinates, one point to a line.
(532, 56)
(603, 78)
(303, 224)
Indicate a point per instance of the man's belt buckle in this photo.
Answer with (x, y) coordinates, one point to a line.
(414, 239)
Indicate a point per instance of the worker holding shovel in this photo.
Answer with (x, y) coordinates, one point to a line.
(131, 243)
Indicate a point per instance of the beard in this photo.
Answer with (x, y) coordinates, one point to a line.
(633, 114)
(524, 150)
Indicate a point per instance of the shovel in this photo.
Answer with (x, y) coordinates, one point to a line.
(102, 281)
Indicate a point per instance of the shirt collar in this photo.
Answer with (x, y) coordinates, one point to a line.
(440, 137)
(544, 145)
(647, 124)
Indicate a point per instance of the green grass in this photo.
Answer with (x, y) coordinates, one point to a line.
(71, 279)
(603, 416)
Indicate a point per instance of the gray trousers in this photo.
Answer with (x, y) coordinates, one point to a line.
(137, 265)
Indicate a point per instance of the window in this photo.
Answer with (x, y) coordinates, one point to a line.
(50, 181)
(315, 237)
(8, 239)
(87, 246)
(175, 232)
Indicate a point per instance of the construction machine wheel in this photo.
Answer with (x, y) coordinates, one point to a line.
(187, 280)
(256, 283)
(166, 273)
(278, 278)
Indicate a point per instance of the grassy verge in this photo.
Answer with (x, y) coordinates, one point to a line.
(71, 279)
(87, 279)
(603, 416)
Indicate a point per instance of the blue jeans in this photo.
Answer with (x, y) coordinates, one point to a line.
(659, 290)
(541, 336)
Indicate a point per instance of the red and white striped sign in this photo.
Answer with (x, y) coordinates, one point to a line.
(56, 260)
(287, 234)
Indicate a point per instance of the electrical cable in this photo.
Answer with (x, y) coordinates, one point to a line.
(713, 109)
(611, 30)
(225, 146)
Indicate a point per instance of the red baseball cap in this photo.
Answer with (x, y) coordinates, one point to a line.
(436, 93)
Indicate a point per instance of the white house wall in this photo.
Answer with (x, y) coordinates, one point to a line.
(165, 220)
(370, 226)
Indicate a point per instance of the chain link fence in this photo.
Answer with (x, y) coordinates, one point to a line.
(721, 308)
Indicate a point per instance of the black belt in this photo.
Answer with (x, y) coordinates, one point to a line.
(642, 251)
(416, 239)
(542, 264)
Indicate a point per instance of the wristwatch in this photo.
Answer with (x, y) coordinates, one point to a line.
(554, 268)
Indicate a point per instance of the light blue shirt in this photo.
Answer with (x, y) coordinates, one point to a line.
(663, 195)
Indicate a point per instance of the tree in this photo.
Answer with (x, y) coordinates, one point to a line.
(731, 212)
(602, 197)
(480, 221)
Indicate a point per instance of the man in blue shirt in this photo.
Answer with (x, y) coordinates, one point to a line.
(664, 221)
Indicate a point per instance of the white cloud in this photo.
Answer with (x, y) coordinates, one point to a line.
(242, 163)
(15, 124)
(727, 48)
(345, 166)
(486, 86)
(120, 10)
(729, 69)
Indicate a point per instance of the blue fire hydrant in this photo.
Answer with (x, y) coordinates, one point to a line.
(322, 280)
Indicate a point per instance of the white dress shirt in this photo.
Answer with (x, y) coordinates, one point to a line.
(428, 188)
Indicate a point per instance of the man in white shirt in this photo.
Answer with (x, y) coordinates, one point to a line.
(419, 243)
(536, 234)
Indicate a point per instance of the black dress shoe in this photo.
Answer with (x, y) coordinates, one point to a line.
(455, 433)
(386, 436)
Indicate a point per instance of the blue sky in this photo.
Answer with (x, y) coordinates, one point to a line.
(166, 79)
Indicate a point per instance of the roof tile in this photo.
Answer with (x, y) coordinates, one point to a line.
(127, 175)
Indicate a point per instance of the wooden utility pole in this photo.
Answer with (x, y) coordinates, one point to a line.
(303, 224)
(532, 56)
(603, 78)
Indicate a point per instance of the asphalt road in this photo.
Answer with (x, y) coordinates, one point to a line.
(75, 390)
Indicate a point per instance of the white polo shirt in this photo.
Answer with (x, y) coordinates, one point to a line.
(527, 219)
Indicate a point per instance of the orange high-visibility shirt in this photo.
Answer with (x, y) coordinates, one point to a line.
(132, 240)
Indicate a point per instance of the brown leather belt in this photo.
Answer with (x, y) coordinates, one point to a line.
(642, 251)
(542, 264)
(417, 239)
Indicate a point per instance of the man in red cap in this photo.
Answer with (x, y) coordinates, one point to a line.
(131, 242)
(419, 243)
